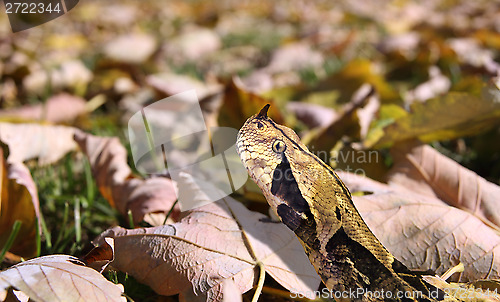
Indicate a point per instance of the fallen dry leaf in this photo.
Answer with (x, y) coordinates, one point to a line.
(72, 74)
(346, 122)
(239, 104)
(28, 141)
(438, 84)
(117, 14)
(192, 44)
(423, 169)
(170, 83)
(355, 74)
(59, 108)
(221, 240)
(453, 115)
(19, 195)
(425, 233)
(405, 43)
(230, 293)
(294, 57)
(131, 48)
(124, 191)
(469, 51)
(367, 114)
(18, 201)
(58, 278)
(312, 115)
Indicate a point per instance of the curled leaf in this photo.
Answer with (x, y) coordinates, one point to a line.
(108, 159)
(18, 201)
(423, 169)
(58, 108)
(453, 115)
(19, 195)
(425, 233)
(130, 48)
(59, 278)
(28, 141)
(221, 240)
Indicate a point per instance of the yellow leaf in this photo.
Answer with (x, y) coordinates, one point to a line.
(18, 201)
(448, 117)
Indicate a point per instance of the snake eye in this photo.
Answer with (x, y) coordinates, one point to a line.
(279, 146)
(259, 125)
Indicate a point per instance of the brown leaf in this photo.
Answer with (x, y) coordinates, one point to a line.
(59, 278)
(18, 201)
(28, 141)
(193, 43)
(121, 15)
(230, 292)
(404, 43)
(422, 169)
(19, 196)
(367, 114)
(425, 233)
(360, 183)
(170, 83)
(239, 104)
(438, 84)
(209, 93)
(355, 74)
(346, 122)
(108, 160)
(131, 48)
(59, 108)
(72, 74)
(313, 115)
(221, 240)
(470, 52)
(294, 57)
(446, 117)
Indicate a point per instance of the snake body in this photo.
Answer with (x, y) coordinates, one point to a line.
(311, 200)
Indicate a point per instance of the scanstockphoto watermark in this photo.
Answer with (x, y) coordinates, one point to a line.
(25, 14)
(360, 293)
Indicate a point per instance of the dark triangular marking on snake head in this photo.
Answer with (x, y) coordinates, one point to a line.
(289, 217)
(286, 188)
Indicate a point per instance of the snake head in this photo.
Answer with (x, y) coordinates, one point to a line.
(262, 146)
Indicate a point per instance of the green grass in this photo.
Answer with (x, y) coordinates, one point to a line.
(72, 211)
(134, 290)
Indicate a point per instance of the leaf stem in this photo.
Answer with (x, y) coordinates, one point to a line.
(260, 283)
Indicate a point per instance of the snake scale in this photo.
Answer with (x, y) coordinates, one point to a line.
(311, 200)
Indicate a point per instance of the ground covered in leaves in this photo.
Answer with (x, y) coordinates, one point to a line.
(402, 96)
